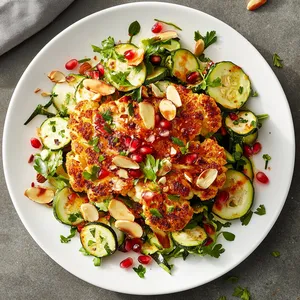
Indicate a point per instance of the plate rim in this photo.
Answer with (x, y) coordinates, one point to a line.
(10, 112)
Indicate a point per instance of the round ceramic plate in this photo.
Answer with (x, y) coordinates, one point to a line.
(277, 137)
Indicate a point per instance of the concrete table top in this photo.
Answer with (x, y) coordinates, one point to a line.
(26, 272)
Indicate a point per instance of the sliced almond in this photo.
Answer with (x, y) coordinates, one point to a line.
(162, 180)
(156, 91)
(173, 151)
(45, 94)
(89, 212)
(166, 167)
(138, 57)
(145, 92)
(133, 229)
(96, 97)
(206, 178)
(118, 184)
(125, 162)
(39, 194)
(173, 95)
(167, 35)
(98, 87)
(119, 211)
(122, 173)
(199, 47)
(57, 77)
(147, 113)
(255, 4)
(162, 237)
(167, 109)
(188, 176)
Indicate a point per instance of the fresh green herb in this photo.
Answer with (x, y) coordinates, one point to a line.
(94, 142)
(254, 94)
(194, 221)
(214, 251)
(170, 208)
(107, 249)
(155, 212)
(262, 117)
(106, 115)
(93, 232)
(203, 58)
(276, 253)
(174, 197)
(73, 217)
(107, 128)
(168, 23)
(253, 124)
(228, 236)
(220, 225)
(222, 298)
(140, 270)
(261, 210)
(208, 39)
(232, 279)
(267, 158)
(59, 182)
(277, 61)
(123, 153)
(177, 141)
(67, 239)
(241, 89)
(103, 206)
(97, 261)
(215, 83)
(120, 78)
(93, 175)
(136, 95)
(115, 140)
(130, 109)
(134, 29)
(246, 218)
(101, 158)
(84, 252)
(80, 61)
(52, 123)
(242, 293)
(90, 243)
(150, 167)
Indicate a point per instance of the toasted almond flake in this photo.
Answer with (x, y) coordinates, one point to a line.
(95, 57)
(167, 109)
(147, 113)
(119, 211)
(57, 77)
(162, 180)
(118, 184)
(138, 58)
(199, 47)
(166, 167)
(45, 94)
(40, 194)
(125, 162)
(122, 173)
(150, 138)
(206, 178)
(188, 176)
(167, 35)
(98, 87)
(255, 4)
(165, 189)
(112, 167)
(37, 90)
(144, 92)
(133, 229)
(173, 95)
(173, 151)
(89, 212)
(96, 97)
(156, 91)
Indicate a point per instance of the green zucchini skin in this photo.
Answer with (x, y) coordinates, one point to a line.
(251, 138)
(248, 169)
(245, 124)
(159, 73)
(190, 237)
(173, 46)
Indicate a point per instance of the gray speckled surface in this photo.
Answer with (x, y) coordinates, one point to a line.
(26, 272)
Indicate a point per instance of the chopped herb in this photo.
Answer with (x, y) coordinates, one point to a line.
(174, 197)
(120, 78)
(93, 175)
(215, 83)
(136, 94)
(262, 117)
(214, 251)
(276, 253)
(80, 61)
(277, 61)
(253, 124)
(246, 218)
(267, 158)
(97, 261)
(67, 239)
(170, 209)
(115, 140)
(232, 279)
(106, 115)
(134, 29)
(73, 217)
(101, 158)
(103, 206)
(220, 225)
(83, 251)
(168, 23)
(203, 58)
(90, 243)
(242, 293)
(123, 153)
(241, 89)
(52, 123)
(150, 167)
(254, 94)
(261, 210)
(107, 128)
(208, 39)
(155, 212)
(130, 109)
(228, 236)
(140, 270)
(177, 141)
(93, 232)
(94, 142)
(41, 110)
(107, 249)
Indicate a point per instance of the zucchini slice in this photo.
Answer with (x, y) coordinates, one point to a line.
(248, 170)
(159, 73)
(154, 241)
(148, 248)
(244, 125)
(54, 133)
(65, 101)
(67, 210)
(98, 239)
(251, 138)
(235, 88)
(120, 234)
(184, 62)
(241, 194)
(190, 237)
(174, 45)
(229, 158)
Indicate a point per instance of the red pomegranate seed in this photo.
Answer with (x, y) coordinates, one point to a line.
(262, 177)
(95, 74)
(256, 148)
(248, 151)
(233, 116)
(134, 145)
(35, 143)
(126, 263)
(103, 173)
(127, 141)
(79, 227)
(40, 178)
(72, 197)
(137, 157)
(30, 159)
(157, 27)
(221, 199)
(32, 184)
(136, 248)
(208, 241)
(155, 59)
(190, 158)
(223, 131)
(209, 229)
(146, 150)
(192, 77)
(100, 69)
(128, 245)
(157, 120)
(129, 54)
(144, 259)
(135, 173)
(71, 64)
(147, 195)
(165, 124)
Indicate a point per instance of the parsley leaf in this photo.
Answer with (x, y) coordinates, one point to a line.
(134, 29)
(120, 78)
(106, 115)
(150, 167)
(94, 142)
(214, 251)
(130, 109)
(240, 90)
(220, 225)
(93, 175)
(177, 141)
(73, 217)
(84, 252)
(136, 94)
(254, 94)
(140, 270)
(168, 23)
(208, 39)
(267, 158)
(242, 293)
(215, 83)
(174, 197)
(261, 210)
(103, 206)
(276, 253)
(246, 218)
(277, 61)
(155, 212)
(67, 239)
(80, 61)
(232, 279)
(101, 158)
(97, 261)
(228, 236)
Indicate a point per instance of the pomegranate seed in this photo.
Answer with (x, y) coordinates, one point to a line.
(126, 263)
(144, 259)
(262, 177)
(155, 59)
(256, 148)
(164, 133)
(100, 69)
(135, 173)
(209, 229)
(128, 245)
(223, 131)
(137, 157)
(146, 150)
(72, 197)
(84, 67)
(233, 116)
(221, 199)
(147, 195)
(32, 184)
(208, 241)
(71, 64)
(190, 158)
(136, 248)
(165, 124)
(137, 241)
(95, 74)
(40, 178)
(248, 151)
(134, 145)
(192, 77)
(30, 159)
(157, 120)
(129, 54)
(35, 143)
(157, 27)
(103, 173)
(127, 141)
(79, 227)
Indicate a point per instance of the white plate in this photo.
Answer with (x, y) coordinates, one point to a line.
(277, 137)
